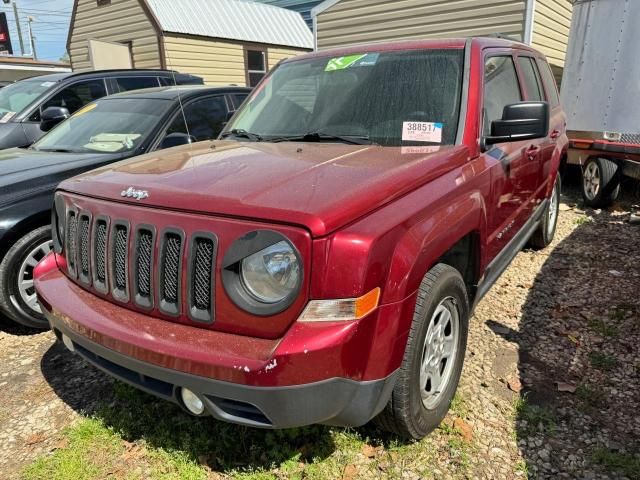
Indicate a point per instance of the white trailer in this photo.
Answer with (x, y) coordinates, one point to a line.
(601, 95)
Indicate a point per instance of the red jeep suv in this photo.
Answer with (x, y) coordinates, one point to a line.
(319, 262)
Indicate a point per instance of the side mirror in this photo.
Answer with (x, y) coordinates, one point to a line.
(52, 116)
(176, 139)
(520, 121)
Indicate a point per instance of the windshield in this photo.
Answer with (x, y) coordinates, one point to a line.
(107, 126)
(16, 97)
(389, 98)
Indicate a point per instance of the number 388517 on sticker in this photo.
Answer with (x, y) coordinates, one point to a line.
(422, 132)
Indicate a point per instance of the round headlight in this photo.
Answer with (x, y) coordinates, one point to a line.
(272, 274)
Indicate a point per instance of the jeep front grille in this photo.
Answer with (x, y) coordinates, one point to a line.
(72, 240)
(100, 255)
(84, 248)
(144, 252)
(119, 260)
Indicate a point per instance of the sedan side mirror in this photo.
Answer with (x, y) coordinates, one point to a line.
(176, 139)
(520, 121)
(52, 116)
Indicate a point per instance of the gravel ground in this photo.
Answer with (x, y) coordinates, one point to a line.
(551, 385)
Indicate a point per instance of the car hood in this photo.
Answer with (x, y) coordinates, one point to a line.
(320, 186)
(25, 171)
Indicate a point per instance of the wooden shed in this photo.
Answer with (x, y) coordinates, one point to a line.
(543, 24)
(223, 41)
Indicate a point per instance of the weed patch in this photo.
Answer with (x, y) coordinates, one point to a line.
(602, 361)
(623, 463)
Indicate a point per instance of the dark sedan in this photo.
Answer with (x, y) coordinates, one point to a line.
(108, 130)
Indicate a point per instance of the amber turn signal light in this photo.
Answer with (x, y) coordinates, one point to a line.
(342, 310)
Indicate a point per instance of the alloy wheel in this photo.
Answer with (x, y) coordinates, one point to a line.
(26, 288)
(439, 352)
(553, 210)
(591, 180)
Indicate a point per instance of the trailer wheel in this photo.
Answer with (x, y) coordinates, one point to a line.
(600, 182)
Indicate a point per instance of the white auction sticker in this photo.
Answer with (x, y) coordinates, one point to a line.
(422, 132)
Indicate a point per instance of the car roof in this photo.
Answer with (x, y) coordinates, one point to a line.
(435, 44)
(58, 77)
(179, 91)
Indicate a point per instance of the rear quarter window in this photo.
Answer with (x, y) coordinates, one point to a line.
(549, 83)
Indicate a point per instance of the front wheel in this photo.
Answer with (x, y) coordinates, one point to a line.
(17, 293)
(432, 364)
(600, 182)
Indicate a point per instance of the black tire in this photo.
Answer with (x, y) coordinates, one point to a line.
(11, 302)
(406, 415)
(543, 236)
(609, 183)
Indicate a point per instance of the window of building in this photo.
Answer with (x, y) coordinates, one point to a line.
(256, 65)
(549, 84)
(135, 83)
(531, 79)
(102, 3)
(501, 88)
(74, 97)
(205, 119)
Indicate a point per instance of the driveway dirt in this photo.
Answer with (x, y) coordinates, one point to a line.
(550, 388)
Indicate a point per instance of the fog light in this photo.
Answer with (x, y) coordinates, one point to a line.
(192, 401)
(68, 343)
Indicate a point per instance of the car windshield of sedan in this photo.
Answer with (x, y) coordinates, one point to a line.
(110, 125)
(393, 98)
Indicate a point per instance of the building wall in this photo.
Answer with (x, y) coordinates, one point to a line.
(362, 21)
(551, 25)
(122, 21)
(218, 62)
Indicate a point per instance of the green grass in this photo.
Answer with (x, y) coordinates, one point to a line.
(135, 436)
(590, 397)
(538, 418)
(522, 467)
(622, 463)
(602, 361)
(601, 327)
(583, 220)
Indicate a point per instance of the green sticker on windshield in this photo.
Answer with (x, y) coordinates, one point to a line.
(340, 63)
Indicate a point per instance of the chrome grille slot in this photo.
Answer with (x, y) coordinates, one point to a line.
(120, 261)
(100, 254)
(143, 265)
(72, 242)
(170, 271)
(201, 276)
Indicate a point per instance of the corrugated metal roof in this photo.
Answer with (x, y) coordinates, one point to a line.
(234, 20)
(303, 7)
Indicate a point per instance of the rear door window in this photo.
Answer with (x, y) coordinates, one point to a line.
(531, 78)
(136, 83)
(501, 88)
(205, 118)
(74, 97)
(237, 99)
(549, 83)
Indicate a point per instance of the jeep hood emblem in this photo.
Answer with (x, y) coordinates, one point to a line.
(133, 193)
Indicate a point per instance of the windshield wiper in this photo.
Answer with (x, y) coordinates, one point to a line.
(321, 137)
(240, 133)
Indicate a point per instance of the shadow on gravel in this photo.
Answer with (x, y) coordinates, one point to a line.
(12, 328)
(579, 356)
(134, 415)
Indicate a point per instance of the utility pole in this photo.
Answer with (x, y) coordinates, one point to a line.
(32, 39)
(15, 13)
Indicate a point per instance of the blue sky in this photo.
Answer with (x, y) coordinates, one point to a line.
(50, 25)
